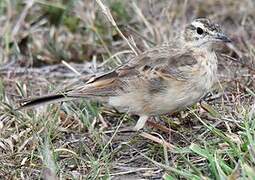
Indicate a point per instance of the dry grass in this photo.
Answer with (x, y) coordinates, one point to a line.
(44, 45)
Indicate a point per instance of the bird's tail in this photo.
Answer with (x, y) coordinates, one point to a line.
(28, 103)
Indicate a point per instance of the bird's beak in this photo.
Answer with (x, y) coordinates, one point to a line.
(222, 37)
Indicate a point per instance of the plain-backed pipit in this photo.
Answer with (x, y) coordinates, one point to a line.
(163, 79)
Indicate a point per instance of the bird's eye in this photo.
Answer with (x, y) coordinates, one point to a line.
(200, 31)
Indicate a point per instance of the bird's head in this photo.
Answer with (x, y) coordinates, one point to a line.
(202, 32)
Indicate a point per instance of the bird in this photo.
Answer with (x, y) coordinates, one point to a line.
(163, 79)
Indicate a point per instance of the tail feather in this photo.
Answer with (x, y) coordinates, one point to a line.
(27, 103)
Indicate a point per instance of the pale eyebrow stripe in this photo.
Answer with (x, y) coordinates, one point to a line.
(198, 24)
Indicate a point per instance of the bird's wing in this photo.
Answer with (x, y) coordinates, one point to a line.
(172, 62)
(151, 67)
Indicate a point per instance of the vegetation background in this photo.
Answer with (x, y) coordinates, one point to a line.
(46, 45)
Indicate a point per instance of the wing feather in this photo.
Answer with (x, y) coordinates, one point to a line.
(149, 69)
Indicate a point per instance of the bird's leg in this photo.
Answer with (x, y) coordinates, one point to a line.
(141, 122)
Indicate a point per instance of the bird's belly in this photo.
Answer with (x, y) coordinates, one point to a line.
(132, 102)
(170, 100)
(187, 94)
(177, 100)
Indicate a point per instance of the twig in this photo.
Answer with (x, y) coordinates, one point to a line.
(232, 47)
(70, 67)
(129, 170)
(16, 28)
(157, 140)
(159, 126)
(132, 30)
(113, 56)
(235, 60)
(108, 14)
(140, 14)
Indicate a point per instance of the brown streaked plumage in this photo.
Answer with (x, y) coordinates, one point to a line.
(163, 79)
